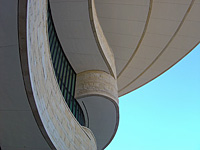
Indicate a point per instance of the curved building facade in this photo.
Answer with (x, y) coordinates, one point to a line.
(64, 64)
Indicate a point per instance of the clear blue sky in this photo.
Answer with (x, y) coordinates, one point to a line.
(165, 113)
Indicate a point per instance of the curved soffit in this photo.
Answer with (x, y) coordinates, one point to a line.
(124, 24)
(96, 92)
(72, 23)
(171, 34)
(103, 117)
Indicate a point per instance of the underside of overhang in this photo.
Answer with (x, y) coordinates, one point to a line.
(72, 21)
(102, 118)
(147, 37)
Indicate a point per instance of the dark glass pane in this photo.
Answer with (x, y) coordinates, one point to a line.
(71, 103)
(65, 94)
(74, 107)
(66, 76)
(70, 81)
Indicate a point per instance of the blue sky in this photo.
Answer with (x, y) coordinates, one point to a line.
(165, 113)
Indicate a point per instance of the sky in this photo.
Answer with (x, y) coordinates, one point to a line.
(165, 113)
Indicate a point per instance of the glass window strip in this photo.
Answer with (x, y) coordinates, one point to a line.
(54, 51)
(62, 70)
(66, 76)
(60, 66)
(50, 28)
(65, 93)
(54, 56)
(51, 36)
(52, 45)
(73, 84)
(64, 73)
(70, 81)
(56, 61)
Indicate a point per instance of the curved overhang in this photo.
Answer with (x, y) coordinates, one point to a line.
(124, 24)
(147, 38)
(81, 36)
(170, 32)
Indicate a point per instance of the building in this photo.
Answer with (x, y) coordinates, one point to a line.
(64, 63)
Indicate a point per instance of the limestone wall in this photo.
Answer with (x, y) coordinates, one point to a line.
(95, 82)
(97, 90)
(61, 126)
(102, 43)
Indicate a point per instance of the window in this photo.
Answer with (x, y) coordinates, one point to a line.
(66, 76)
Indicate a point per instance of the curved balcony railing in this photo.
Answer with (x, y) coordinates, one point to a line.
(65, 74)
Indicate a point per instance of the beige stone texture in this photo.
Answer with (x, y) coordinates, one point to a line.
(96, 83)
(102, 43)
(61, 126)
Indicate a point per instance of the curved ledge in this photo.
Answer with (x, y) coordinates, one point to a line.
(102, 43)
(54, 118)
(98, 91)
(96, 83)
(22, 20)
